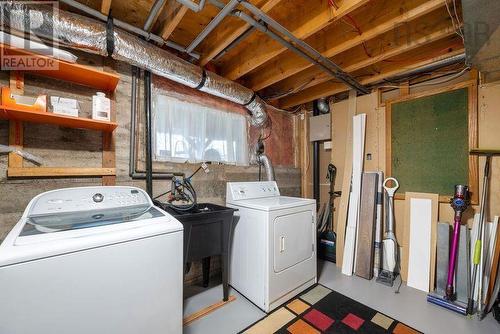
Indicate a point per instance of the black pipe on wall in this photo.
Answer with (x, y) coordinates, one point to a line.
(149, 136)
(133, 172)
(316, 161)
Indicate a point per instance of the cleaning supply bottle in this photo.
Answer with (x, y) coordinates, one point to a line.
(101, 107)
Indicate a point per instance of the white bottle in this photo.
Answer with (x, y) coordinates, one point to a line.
(101, 107)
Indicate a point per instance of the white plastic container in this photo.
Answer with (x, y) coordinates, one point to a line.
(64, 106)
(101, 107)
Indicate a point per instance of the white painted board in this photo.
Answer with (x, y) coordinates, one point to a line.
(420, 243)
(489, 249)
(358, 147)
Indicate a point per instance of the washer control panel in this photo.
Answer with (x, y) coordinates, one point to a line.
(88, 198)
(248, 190)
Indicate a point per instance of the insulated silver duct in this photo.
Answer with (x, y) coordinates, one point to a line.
(266, 162)
(82, 33)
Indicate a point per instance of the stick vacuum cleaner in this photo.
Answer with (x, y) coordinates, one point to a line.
(389, 244)
(460, 202)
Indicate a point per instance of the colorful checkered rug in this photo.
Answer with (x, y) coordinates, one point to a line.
(321, 310)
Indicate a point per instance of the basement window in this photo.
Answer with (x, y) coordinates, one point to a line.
(185, 131)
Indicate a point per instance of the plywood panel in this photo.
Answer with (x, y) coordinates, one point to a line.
(366, 227)
(346, 181)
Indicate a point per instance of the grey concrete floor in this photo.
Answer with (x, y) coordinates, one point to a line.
(409, 306)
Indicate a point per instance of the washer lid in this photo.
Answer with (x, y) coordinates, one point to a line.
(45, 237)
(274, 203)
(51, 223)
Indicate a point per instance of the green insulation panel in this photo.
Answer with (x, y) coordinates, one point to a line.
(429, 142)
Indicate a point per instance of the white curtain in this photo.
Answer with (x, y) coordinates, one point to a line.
(186, 131)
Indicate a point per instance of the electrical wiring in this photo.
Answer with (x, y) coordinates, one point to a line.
(289, 92)
(436, 53)
(432, 83)
(283, 110)
(458, 24)
(352, 23)
(443, 81)
(458, 18)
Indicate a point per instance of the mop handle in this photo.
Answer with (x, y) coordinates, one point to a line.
(390, 192)
(478, 244)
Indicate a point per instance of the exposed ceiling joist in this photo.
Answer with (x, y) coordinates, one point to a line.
(262, 49)
(385, 71)
(386, 46)
(170, 17)
(331, 43)
(105, 6)
(228, 33)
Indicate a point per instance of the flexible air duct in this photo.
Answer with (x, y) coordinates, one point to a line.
(268, 167)
(82, 33)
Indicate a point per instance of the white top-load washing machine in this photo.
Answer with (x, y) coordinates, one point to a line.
(97, 260)
(273, 253)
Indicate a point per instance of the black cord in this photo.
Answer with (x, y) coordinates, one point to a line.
(196, 171)
(163, 194)
(400, 283)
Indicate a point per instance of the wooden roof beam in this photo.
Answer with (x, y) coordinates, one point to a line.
(262, 49)
(170, 17)
(331, 44)
(386, 46)
(226, 34)
(105, 6)
(392, 69)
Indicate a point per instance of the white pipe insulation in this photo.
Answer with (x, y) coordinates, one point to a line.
(82, 33)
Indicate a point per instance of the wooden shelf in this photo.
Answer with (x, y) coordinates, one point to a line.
(59, 172)
(7, 112)
(71, 72)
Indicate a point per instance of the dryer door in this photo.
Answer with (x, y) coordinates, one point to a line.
(293, 242)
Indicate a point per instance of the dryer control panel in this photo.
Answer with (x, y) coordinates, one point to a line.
(248, 190)
(88, 198)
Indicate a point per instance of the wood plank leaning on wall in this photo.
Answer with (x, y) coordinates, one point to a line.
(346, 182)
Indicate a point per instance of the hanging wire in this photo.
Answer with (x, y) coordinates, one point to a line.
(290, 91)
(454, 76)
(457, 25)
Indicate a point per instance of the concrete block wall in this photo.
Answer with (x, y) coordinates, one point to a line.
(62, 147)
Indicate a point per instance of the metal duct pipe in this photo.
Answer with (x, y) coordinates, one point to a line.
(213, 24)
(157, 6)
(268, 166)
(88, 35)
(128, 27)
(195, 7)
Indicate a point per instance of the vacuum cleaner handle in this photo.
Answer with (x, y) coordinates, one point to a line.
(391, 191)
